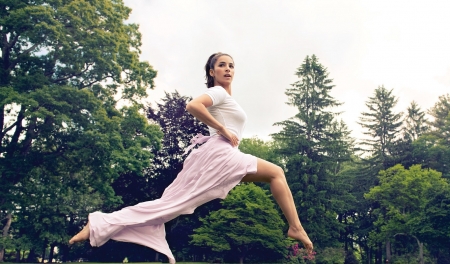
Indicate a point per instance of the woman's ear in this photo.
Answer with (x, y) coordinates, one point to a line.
(211, 72)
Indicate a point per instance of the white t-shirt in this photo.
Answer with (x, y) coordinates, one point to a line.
(227, 111)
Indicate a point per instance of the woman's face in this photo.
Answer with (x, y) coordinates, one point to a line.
(223, 71)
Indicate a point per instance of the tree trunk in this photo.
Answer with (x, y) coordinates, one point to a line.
(379, 255)
(18, 255)
(241, 260)
(50, 256)
(388, 251)
(44, 248)
(31, 256)
(5, 234)
(156, 256)
(420, 244)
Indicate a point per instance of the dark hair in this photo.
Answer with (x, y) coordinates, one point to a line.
(210, 65)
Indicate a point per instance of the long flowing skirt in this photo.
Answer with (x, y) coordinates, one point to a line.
(209, 172)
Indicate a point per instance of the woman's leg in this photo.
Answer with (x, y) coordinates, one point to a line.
(273, 174)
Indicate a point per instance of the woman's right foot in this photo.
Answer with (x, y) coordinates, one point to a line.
(81, 236)
(300, 235)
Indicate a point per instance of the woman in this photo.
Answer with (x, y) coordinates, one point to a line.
(209, 172)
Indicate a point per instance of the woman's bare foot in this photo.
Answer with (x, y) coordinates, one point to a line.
(300, 235)
(81, 236)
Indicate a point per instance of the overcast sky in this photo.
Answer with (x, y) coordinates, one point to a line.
(403, 45)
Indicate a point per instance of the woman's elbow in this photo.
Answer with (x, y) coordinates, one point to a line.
(189, 107)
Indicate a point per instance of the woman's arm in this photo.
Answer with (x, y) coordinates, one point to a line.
(197, 108)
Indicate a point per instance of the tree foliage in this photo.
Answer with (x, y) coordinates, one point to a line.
(383, 128)
(408, 204)
(415, 122)
(432, 149)
(265, 150)
(247, 226)
(63, 66)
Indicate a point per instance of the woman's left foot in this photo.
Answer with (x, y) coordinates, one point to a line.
(300, 234)
(81, 236)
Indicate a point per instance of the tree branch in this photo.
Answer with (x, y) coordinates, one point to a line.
(16, 135)
(91, 83)
(73, 75)
(12, 42)
(3, 133)
(14, 63)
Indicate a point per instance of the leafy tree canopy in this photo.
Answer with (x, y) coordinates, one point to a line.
(63, 67)
(248, 224)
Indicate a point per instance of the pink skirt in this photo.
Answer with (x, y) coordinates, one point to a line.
(209, 172)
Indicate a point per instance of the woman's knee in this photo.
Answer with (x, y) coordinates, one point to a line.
(278, 173)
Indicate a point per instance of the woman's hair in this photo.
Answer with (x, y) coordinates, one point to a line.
(210, 65)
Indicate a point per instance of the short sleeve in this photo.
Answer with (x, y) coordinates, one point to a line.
(217, 94)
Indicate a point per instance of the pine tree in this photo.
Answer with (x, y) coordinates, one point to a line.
(313, 145)
(415, 122)
(433, 147)
(440, 113)
(383, 127)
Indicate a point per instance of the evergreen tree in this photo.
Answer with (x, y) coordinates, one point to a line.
(248, 226)
(381, 151)
(415, 122)
(414, 125)
(313, 144)
(383, 128)
(433, 148)
(440, 113)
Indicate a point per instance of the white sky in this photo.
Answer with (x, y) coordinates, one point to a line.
(404, 45)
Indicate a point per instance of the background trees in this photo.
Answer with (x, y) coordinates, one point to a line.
(405, 198)
(68, 147)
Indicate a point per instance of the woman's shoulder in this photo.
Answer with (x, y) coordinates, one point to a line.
(217, 94)
(217, 88)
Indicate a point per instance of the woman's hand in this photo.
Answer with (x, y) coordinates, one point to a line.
(228, 135)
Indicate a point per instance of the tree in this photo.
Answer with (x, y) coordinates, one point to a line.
(432, 149)
(415, 122)
(247, 226)
(383, 128)
(405, 197)
(382, 149)
(313, 145)
(63, 65)
(414, 125)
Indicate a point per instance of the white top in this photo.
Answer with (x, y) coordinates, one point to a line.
(227, 111)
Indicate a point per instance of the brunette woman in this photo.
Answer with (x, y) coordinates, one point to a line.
(209, 172)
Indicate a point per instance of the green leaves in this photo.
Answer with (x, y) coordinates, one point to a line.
(406, 198)
(248, 224)
(64, 65)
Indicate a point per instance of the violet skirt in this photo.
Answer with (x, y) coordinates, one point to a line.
(209, 172)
